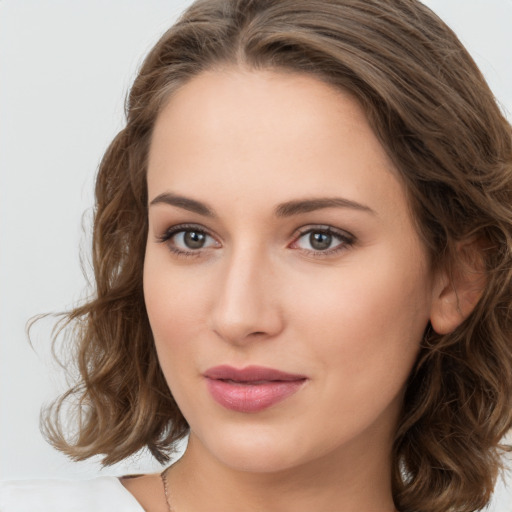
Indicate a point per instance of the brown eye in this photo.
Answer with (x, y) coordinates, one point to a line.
(320, 241)
(194, 239)
(184, 239)
(323, 241)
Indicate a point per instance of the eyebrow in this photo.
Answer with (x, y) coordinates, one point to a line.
(286, 209)
(308, 205)
(183, 202)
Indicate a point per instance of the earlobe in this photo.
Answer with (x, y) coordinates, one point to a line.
(458, 288)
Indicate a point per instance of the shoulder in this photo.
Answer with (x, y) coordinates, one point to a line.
(102, 494)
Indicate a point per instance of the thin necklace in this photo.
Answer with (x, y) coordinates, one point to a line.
(163, 474)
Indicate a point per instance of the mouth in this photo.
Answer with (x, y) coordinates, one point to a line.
(251, 389)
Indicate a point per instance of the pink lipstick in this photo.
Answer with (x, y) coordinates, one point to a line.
(251, 389)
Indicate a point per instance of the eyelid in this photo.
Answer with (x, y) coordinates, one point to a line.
(165, 238)
(172, 230)
(347, 239)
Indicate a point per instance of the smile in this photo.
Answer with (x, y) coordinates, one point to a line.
(251, 389)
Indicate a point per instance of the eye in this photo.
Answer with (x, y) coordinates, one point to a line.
(191, 239)
(324, 240)
(187, 240)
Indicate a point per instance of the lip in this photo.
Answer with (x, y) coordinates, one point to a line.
(251, 389)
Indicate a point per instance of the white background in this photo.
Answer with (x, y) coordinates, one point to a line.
(65, 68)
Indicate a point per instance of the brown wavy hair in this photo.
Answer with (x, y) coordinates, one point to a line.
(435, 115)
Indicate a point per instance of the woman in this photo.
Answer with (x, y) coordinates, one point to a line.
(301, 251)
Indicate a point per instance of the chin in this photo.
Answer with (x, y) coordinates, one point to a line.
(252, 461)
(253, 450)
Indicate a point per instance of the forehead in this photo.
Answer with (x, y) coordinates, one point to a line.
(267, 134)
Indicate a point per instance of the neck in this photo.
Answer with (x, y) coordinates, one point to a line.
(347, 479)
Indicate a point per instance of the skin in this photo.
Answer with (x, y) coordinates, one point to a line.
(350, 318)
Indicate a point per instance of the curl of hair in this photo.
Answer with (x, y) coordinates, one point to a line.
(436, 117)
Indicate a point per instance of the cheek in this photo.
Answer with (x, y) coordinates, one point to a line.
(175, 303)
(367, 319)
(175, 307)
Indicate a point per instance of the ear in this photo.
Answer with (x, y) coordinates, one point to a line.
(458, 287)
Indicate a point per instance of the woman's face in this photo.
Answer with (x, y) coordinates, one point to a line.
(286, 286)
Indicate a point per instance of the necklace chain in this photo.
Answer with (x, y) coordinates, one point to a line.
(163, 474)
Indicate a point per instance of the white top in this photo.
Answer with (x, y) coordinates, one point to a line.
(103, 494)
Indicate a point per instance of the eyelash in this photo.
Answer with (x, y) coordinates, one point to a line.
(346, 240)
(182, 228)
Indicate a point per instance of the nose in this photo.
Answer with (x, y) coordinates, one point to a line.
(247, 306)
